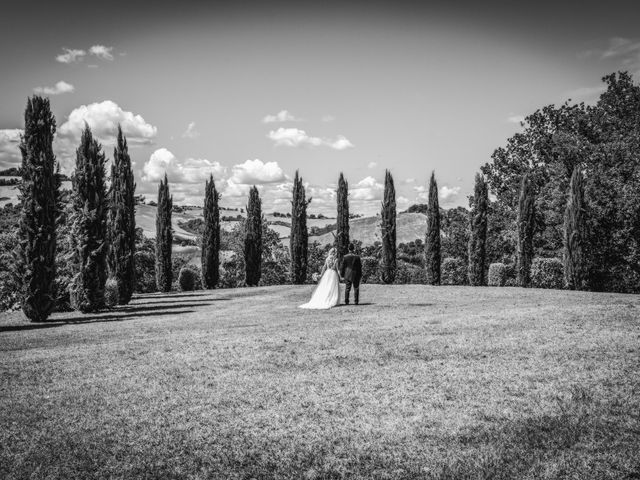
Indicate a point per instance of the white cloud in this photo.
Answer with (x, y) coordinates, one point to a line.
(191, 131)
(410, 180)
(102, 52)
(71, 55)
(281, 116)
(622, 47)
(328, 118)
(256, 172)
(372, 165)
(9, 147)
(366, 189)
(517, 119)
(586, 93)
(60, 87)
(294, 137)
(449, 193)
(190, 170)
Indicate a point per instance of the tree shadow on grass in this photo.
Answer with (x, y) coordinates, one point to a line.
(197, 293)
(155, 308)
(115, 317)
(202, 301)
(30, 326)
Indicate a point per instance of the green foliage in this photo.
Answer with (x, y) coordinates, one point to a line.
(432, 242)
(342, 231)
(299, 239)
(164, 237)
(388, 266)
(316, 257)
(253, 239)
(189, 278)
(526, 227)
(122, 221)
(574, 233)
(478, 234)
(211, 237)
(497, 275)
(370, 270)
(9, 275)
(408, 273)
(36, 238)
(454, 271)
(454, 228)
(111, 293)
(89, 225)
(547, 273)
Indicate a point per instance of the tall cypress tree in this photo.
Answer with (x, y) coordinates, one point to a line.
(164, 237)
(574, 233)
(253, 239)
(299, 240)
(526, 228)
(342, 233)
(388, 230)
(122, 221)
(432, 243)
(478, 234)
(89, 230)
(211, 236)
(40, 197)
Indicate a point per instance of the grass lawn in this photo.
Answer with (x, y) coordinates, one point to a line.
(419, 382)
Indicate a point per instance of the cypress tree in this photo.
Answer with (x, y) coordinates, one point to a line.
(164, 237)
(526, 227)
(342, 233)
(89, 230)
(432, 242)
(574, 233)
(253, 239)
(37, 226)
(478, 234)
(122, 221)
(299, 240)
(211, 236)
(388, 230)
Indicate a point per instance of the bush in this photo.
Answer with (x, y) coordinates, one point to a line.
(497, 275)
(189, 278)
(370, 270)
(453, 272)
(145, 272)
(111, 293)
(410, 274)
(547, 273)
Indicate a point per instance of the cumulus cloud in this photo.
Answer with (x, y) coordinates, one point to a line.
(517, 119)
(9, 147)
(367, 189)
(410, 180)
(372, 165)
(189, 170)
(191, 131)
(294, 137)
(71, 55)
(57, 89)
(281, 116)
(102, 52)
(256, 172)
(328, 118)
(449, 193)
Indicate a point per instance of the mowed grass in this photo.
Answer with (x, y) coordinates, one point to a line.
(418, 382)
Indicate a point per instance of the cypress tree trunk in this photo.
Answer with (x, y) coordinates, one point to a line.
(122, 221)
(574, 233)
(164, 237)
(342, 233)
(478, 234)
(89, 225)
(40, 197)
(388, 230)
(253, 239)
(526, 228)
(211, 237)
(432, 242)
(299, 240)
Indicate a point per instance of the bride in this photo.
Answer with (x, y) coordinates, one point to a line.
(327, 293)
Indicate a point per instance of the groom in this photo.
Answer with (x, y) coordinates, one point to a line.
(351, 272)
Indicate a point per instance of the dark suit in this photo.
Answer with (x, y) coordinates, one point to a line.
(351, 271)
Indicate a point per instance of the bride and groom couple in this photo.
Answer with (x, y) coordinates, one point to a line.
(327, 293)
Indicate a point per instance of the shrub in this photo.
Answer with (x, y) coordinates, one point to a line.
(497, 275)
(370, 270)
(547, 273)
(189, 278)
(410, 274)
(145, 272)
(453, 271)
(111, 293)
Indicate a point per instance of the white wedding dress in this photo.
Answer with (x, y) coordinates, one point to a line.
(327, 293)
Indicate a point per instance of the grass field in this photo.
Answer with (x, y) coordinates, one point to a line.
(418, 382)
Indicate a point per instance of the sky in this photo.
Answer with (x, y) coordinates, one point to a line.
(252, 91)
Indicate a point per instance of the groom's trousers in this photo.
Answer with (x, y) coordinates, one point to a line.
(356, 291)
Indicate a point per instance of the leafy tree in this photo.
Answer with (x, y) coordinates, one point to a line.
(40, 198)
(389, 265)
(299, 240)
(211, 236)
(526, 228)
(574, 233)
(478, 236)
(253, 239)
(122, 221)
(89, 230)
(342, 233)
(164, 237)
(432, 243)
(454, 226)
